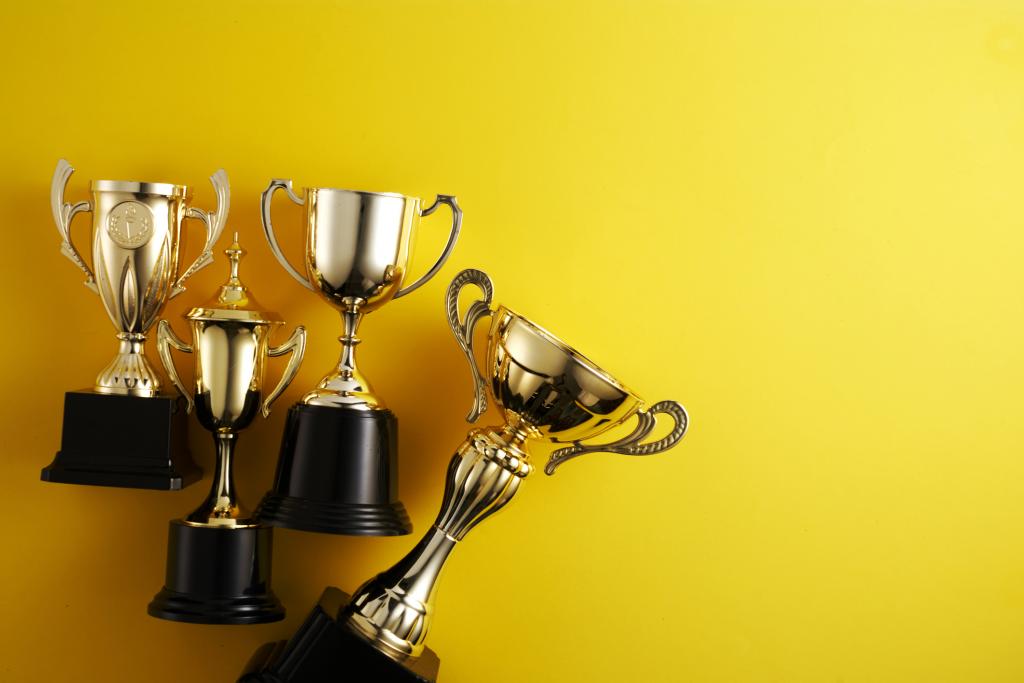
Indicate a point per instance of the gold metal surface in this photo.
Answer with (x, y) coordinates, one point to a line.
(230, 345)
(356, 256)
(135, 252)
(547, 391)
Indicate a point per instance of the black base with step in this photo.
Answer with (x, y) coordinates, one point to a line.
(129, 441)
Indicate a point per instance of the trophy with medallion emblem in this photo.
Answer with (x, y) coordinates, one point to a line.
(126, 430)
(547, 391)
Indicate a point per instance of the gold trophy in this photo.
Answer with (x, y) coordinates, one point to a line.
(337, 471)
(124, 431)
(219, 556)
(547, 391)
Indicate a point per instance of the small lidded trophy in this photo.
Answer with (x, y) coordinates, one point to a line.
(219, 556)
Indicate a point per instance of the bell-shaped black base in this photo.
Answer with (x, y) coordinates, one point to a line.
(324, 651)
(130, 441)
(337, 474)
(218, 575)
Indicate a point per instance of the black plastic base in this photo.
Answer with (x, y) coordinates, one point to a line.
(218, 575)
(324, 651)
(337, 474)
(130, 441)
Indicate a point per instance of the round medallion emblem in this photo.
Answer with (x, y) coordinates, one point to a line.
(130, 224)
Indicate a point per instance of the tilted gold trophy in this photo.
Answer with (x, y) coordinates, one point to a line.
(338, 468)
(547, 391)
(125, 431)
(219, 556)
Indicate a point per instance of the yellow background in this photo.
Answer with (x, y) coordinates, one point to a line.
(801, 219)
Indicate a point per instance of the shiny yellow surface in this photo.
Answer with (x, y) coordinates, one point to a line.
(802, 219)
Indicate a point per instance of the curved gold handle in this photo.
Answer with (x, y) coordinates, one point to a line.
(268, 228)
(214, 221)
(453, 237)
(296, 345)
(166, 338)
(631, 445)
(464, 330)
(63, 213)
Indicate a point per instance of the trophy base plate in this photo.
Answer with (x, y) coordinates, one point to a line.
(337, 474)
(128, 441)
(218, 575)
(325, 651)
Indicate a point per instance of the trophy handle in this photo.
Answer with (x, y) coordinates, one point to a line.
(268, 228)
(63, 213)
(215, 221)
(296, 345)
(165, 338)
(452, 238)
(631, 445)
(464, 330)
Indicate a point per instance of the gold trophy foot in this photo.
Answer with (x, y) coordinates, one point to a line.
(323, 649)
(130, 372)
(350, 391)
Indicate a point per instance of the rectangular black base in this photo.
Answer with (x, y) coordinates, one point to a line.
(324, 651)
(130, 441)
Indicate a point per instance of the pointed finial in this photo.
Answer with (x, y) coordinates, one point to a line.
(234, 254)
(233, 291)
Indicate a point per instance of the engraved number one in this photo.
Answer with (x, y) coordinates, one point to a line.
(128, 220)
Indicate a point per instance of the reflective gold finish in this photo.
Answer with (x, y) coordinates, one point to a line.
(358, 246)
(230, 343)
(546, 390)
(135, 250)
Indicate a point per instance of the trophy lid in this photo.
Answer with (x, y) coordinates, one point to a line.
(234, 302)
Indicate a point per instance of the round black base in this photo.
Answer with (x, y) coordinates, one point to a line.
(305, 514)
(218, 575)
(174, 606)
(337, 474)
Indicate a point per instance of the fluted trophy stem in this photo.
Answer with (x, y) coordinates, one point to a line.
(393, 611)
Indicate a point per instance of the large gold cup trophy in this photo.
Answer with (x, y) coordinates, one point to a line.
(219, 556)
(338, 468)
(125, 431)
(547, 391)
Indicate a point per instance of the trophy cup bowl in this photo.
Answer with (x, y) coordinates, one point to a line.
(337, 471)
(219, 556)
(547, 391)
(136, 245)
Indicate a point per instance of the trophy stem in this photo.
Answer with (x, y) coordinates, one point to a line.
(351, 317)
(345, 386)
(393, 611)
(221, 505)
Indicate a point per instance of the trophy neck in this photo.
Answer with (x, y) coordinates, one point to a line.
(393, 611)
(345, 386)
(221, 508)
